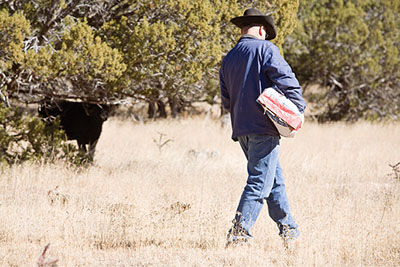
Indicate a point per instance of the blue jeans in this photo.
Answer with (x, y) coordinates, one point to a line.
(265, 182)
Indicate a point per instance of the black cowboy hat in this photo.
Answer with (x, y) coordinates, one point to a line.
(254, 16)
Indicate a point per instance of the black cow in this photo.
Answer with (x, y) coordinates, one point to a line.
(81, 121)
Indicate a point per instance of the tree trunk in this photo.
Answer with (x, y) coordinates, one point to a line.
(151, 111)
(176, 105)
(161, 109)
(156, 109)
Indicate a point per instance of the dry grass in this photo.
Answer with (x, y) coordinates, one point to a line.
(145, 205)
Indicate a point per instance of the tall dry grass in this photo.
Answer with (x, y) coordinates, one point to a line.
(143, 203)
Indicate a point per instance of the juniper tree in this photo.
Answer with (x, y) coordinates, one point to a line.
(101, 51)
(284, 13)
(59, 54)
(351, 48)
(173, 48)
(39, 60)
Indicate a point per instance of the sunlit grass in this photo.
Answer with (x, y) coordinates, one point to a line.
(144, 203)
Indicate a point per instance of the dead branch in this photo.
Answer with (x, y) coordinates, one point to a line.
(160, 142)
(396, 170)
(42, 262)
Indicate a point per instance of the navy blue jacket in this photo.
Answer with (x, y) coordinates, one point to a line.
(250, 67)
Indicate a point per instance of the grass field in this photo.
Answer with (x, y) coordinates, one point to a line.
(149, 202)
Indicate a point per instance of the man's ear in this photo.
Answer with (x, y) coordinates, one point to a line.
(260, 31)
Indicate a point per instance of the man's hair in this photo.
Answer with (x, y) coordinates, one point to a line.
(247, 27)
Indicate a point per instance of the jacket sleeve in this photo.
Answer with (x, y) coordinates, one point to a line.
(281, 74)
(225, 99)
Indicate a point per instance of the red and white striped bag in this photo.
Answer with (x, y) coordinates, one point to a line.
(282, 112)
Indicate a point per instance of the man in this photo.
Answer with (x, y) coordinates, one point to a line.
(251, 66)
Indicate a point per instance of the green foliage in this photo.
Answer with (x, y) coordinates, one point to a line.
(27, 138)
(169, 49)
(173, 48)
(284, 13)
(101, 51)
(152, 50)
(82, 59)
(13, 31)
(352, 49)
(286, 18)
(84, 54)
(46, 52)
